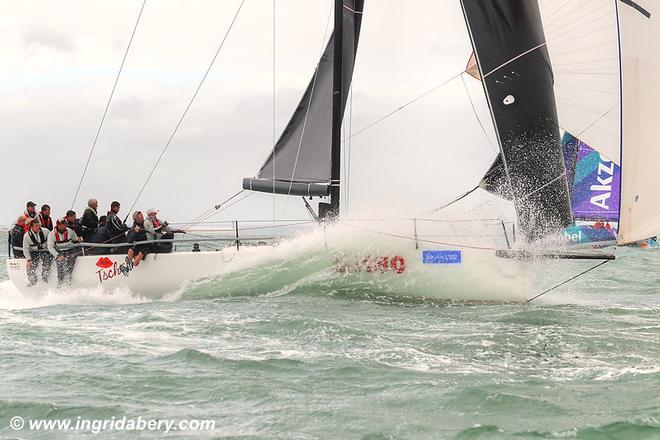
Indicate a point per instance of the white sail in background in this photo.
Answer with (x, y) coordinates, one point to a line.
(640, 51)
(605, 60)
(583, 45)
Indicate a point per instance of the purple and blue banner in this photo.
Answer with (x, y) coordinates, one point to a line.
(594, 180)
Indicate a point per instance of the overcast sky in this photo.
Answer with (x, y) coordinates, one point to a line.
(59, 61)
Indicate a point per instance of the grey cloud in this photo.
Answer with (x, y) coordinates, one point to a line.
(34, 38)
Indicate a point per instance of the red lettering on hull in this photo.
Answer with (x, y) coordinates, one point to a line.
(371, 264)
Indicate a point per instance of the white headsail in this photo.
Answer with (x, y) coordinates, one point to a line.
(583, 46)
(640, 67)
(607, 82)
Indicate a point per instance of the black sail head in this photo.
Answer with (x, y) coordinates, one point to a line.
(509, 44)
(301, 161)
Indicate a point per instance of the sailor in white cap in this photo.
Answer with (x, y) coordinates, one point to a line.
(159, 230)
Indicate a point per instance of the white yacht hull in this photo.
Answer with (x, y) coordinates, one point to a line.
(156, 276)
(336, 259)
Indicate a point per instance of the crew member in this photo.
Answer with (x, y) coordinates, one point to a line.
(115, 229)
(35, 248)
(159, 230)
(138, 236)
(62, 246)
(44, 217)
(90, 220)
(100, 236)
(17, 237)
(30, 212)
(73, 223)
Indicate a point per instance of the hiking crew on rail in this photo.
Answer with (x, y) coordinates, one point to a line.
(34, 238)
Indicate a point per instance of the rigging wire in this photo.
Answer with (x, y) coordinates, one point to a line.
(453, 201)
(412, 101)
(190, 103)
(476, 115)
(568, 280)
(311, 95)
(274, 139)
(205, 215)
(107, 105)
(350, 147)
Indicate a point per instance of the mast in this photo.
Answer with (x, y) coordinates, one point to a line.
(337, 100)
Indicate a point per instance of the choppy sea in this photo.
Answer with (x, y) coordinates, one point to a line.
(582, 362)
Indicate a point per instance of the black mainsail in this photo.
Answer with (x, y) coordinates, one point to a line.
(514, 65)
(306, 158)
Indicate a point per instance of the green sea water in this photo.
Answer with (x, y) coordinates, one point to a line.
(303, 360)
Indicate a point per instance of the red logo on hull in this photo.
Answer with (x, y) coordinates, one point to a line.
(104, 263)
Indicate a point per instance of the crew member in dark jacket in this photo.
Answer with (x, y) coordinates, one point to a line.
(100, 236)
(136, 235)
(73, 223)
(115, 229)
(90, 220)
(17, 237)
(44, 218)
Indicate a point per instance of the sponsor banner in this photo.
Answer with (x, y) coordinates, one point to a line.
(588, 234)
(595, 182)
(109, 269)
(441, 257)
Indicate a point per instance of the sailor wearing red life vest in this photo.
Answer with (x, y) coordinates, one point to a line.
(62, 244)
(30, 213)
(44, 218)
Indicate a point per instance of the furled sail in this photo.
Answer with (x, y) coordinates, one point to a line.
(511, 53)
(301, 162)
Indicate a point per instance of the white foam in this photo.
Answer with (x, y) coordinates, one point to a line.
(12, 298)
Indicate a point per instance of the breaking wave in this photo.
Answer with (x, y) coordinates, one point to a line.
(11, 298)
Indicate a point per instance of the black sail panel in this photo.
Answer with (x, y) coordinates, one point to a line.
(495, 180)
(509, 43)
(300, 163)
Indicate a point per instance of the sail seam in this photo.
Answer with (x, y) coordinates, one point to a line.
(515, 58)
(352, 10)
(544, 185)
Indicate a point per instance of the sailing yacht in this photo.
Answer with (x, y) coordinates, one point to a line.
(434, 257)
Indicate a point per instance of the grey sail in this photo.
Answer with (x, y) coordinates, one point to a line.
(510, 48)
(301, 162)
